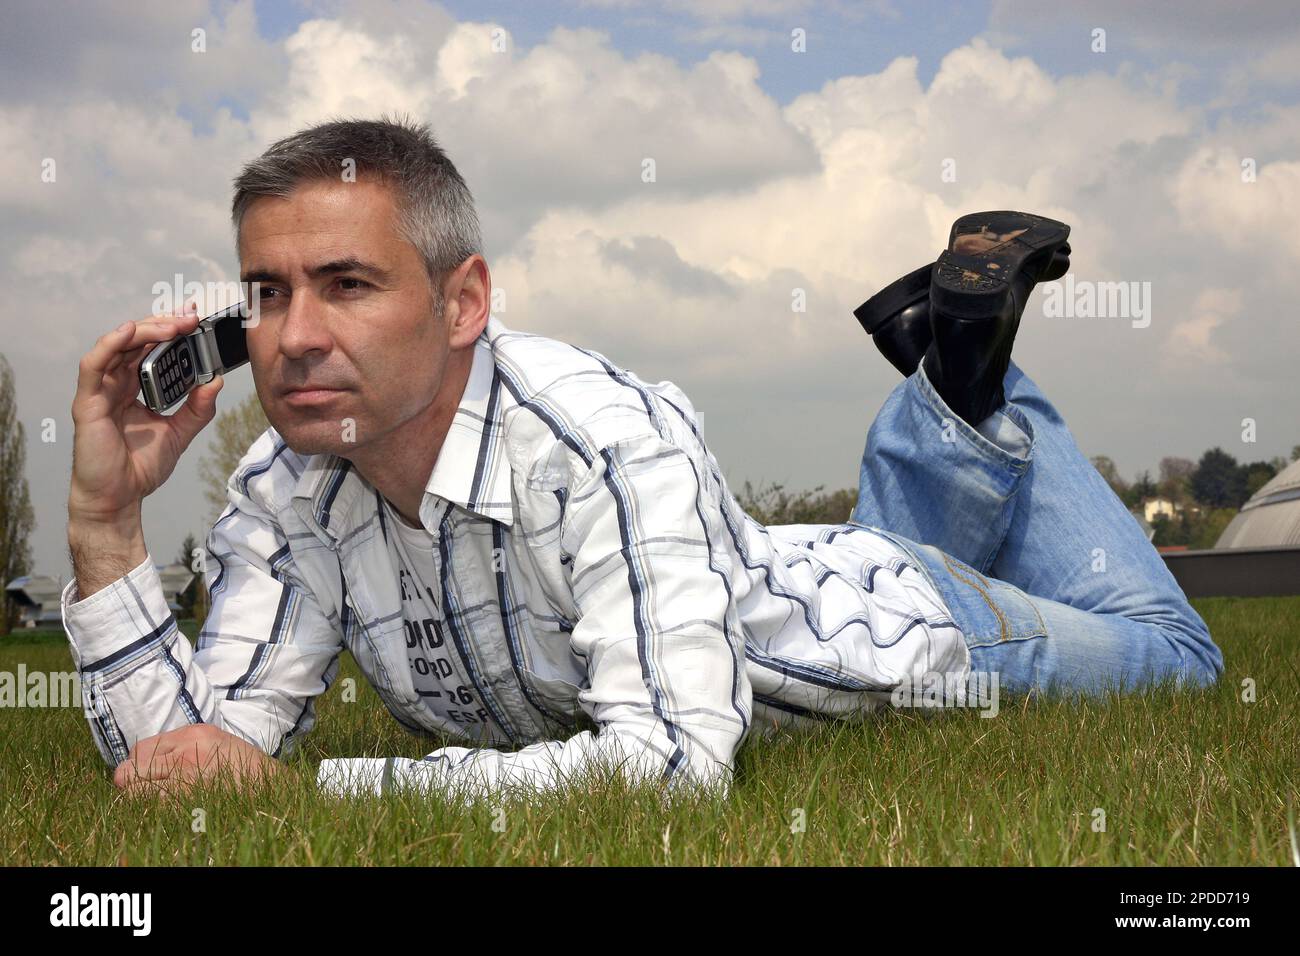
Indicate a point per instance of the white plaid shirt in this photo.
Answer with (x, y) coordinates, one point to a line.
(601, 588)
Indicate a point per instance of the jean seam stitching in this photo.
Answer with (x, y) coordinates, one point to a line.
(1042, 625)
(1002, 621)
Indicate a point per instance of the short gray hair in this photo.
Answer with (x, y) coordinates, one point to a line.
(435, 210)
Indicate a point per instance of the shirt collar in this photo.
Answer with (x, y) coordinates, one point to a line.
(472, 470)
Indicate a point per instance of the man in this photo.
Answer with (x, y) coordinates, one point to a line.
(526, 546)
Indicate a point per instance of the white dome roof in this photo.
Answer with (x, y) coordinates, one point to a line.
(1271, 518)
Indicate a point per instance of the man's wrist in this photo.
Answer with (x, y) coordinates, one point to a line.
(104, 548)
(86, 518)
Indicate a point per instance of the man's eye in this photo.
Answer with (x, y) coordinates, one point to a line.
(352, 285)
(265, 293)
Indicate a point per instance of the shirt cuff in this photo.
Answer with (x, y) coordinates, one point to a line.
(115, 616)
(355, 776)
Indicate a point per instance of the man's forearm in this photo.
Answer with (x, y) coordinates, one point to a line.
(104, 550)
(126, 643)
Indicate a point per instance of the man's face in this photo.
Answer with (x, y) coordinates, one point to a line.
(347, 310)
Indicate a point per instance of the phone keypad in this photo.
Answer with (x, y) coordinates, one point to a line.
(175, 376)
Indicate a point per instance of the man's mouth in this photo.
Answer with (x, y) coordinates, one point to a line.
(310, 395)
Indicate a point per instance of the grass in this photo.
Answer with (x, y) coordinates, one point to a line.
(1190, 778)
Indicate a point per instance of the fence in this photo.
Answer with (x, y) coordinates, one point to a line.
(1236, 572)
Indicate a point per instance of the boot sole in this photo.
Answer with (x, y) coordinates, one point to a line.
(976, 285)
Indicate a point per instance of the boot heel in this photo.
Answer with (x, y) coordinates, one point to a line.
(883, 307)
(898, 319)
(1059, 265)
(968, 287)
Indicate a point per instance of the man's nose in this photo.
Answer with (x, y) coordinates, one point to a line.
(304, 328)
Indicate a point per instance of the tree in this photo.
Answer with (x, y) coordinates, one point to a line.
(1169, 531)
(1107, 469)
(1219, 482)
(1141, 490)
(1295, 452)
(1175, 474)
(1257, 474)
(1196, 529)
(1173, 468)
(1206, 532)
(17, 519)
(1146, 486)
(235, 430)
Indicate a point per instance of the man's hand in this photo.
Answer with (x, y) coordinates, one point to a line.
(172, 763)
(122, 451)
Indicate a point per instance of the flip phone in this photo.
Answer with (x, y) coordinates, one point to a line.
(172, 369)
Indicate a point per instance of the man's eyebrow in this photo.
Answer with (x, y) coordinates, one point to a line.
(333, 267)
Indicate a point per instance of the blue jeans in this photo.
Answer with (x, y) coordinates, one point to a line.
(1053, 583)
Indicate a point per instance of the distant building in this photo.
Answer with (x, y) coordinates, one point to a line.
(1271, 518)
(37, 595)
(1158, 506)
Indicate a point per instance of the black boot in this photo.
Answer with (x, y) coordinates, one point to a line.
(976, 299)
(898, 319)
(898, 316)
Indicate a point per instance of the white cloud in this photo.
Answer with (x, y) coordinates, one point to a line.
(1219, 204)
(1194, 339)
(60, 256)
(876, 207)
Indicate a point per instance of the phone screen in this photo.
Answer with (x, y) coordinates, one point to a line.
(229, 335)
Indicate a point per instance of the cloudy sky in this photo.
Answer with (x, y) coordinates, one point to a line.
(831, 169)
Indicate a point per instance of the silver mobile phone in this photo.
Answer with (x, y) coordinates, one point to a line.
(215, 347)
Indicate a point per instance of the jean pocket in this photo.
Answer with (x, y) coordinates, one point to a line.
(989, 611)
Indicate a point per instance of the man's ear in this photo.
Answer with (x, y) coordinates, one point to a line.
(468, 300)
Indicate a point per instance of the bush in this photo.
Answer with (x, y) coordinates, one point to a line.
(775, 506)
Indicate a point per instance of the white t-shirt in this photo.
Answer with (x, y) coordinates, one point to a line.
(437, 669)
